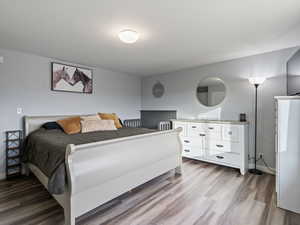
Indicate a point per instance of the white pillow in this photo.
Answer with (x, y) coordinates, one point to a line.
(91, 117)
(97, 125)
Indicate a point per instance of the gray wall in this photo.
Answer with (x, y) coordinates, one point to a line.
(25, 82)
(293, 68)
(180, 93)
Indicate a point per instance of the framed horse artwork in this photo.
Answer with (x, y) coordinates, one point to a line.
(71, 78)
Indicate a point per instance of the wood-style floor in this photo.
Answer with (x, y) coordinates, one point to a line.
(205, 194)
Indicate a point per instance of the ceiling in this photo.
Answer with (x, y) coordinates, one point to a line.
(174, 34)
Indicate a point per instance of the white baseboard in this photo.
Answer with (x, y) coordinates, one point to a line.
(263, 169)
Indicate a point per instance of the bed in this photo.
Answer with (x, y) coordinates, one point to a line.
(97, 172)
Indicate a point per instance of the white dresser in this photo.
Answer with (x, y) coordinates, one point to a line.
(220, 142)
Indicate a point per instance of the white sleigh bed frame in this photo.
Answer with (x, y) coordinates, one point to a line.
(101, 171)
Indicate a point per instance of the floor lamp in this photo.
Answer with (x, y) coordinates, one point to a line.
(256, 81)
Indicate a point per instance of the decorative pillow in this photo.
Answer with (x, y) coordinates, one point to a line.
(121, 122)
(51, 126)
(70, 125)
(111, 116)
(91, 117)
(97, 125)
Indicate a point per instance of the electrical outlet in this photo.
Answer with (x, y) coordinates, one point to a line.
(19, 110)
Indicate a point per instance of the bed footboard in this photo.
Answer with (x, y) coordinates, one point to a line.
(101, 171)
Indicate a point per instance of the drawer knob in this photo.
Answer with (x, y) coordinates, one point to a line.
(220, 157)
(202, 135)
(186, 150)
(211, 128)
(230, 132)
(186, 141)
(220, 146)
(194, 127)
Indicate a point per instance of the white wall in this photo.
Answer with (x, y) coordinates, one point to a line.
(180, 93)
(25, 82)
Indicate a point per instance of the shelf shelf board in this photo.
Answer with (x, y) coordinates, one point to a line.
(14, 165)
(13, 175)
(14, 157)
(15, 139)
(13, 131)
(14, 148)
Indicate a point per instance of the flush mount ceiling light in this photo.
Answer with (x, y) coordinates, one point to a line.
(128, 36)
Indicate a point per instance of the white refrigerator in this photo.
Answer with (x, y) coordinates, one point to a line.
(288, 152)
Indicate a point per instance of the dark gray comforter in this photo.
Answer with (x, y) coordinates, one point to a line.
(46, 150)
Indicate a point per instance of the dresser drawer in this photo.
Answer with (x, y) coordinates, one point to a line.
(223, 146)
(192, 152)
(213, 131)
(230, 133)
(196, 129)
(223, 157)
(213, 128)
(192, 141)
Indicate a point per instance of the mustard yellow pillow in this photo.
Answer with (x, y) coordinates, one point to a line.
(70, 125)
(111, 116)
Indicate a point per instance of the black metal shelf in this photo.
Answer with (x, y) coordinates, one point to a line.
(13, 153)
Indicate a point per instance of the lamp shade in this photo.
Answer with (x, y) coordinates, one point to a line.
(256, 80)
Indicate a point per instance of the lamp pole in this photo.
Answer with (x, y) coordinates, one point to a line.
(255, 170)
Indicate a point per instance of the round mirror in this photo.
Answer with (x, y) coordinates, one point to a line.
(211, 91)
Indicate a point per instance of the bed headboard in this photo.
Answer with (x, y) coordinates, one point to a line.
(32, 123)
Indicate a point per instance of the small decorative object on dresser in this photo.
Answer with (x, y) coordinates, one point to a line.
(13, 153)
(215, 141)
(243, 117)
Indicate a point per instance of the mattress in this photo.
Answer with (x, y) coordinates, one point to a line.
(46, 150)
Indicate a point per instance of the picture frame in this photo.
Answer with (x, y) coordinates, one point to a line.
(70, 78)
